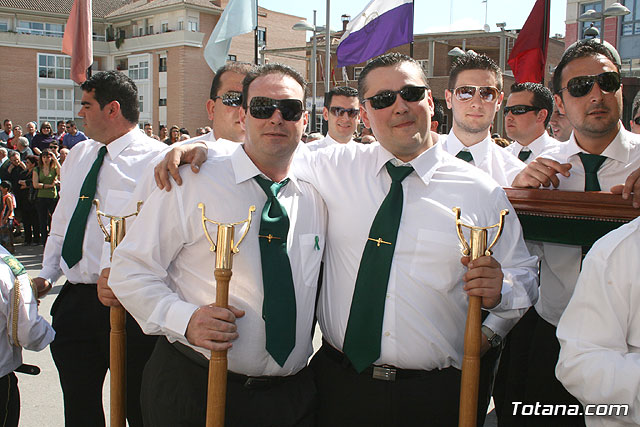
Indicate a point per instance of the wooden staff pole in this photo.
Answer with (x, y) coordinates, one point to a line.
(217, 388)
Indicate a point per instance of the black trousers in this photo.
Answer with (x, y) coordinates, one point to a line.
(9, 401)
(81, 354)
(174, 394)
(415, 398)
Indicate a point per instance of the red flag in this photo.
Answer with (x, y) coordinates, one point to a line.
(529, 54)
(78, 39)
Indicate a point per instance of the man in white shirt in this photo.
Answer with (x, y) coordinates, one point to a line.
(599, 155)
(474, 96)
(105, 167)
(526, 116)
(598, 331)
(20, 327)
(560, 127)
(7, 132)
(342, 112)
(174, 290)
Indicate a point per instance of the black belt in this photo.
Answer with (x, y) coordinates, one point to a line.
(383, 373)
(246, 381)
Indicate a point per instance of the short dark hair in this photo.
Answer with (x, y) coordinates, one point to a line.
(71, 122)
(59, 122)
(6, 184)
(636, 107)
(386, 60)
(109, 86)
(273, 68)
(474, 61)
(542, 96)
(147, 124)
(581, 49)
(33, 159)
(339, 91)
(6, 121)
(234, 67)
(438, 113)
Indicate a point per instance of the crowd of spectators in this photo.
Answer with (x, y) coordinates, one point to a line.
(29, 177)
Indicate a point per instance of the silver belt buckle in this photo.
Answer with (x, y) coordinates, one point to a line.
(384, 373)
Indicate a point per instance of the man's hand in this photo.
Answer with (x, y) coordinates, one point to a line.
(213, 327)
(42, 286)
(541, 172)
(194, 153)
(105, 294)
(631, 185)
(484, 279)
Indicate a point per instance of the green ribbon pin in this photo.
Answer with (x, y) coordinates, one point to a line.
(317, 246)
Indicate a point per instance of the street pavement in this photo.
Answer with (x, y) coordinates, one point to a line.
(41, 395)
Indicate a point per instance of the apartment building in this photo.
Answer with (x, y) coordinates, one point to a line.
(158, 43)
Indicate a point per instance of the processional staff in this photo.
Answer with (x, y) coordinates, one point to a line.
(224, 249)
(118, 334)
(470, 380)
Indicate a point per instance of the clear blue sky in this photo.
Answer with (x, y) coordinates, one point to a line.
(446, 16)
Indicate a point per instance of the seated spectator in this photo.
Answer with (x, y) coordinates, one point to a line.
(45, 179)
(54, 150)
(174, 135)
(22, 147)
(17, 133)
(4, 155)
(42, 140)
(32, 130)
(6, 216)
(184, 131)
(73, 135)
(63, 155)
(60, 131)
(162, 133)
(148, 130)
(6, 132)
(26, 202)
(200, 131)
(13, 170)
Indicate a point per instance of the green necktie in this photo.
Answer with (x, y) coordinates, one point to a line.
(72, 246)
(524, 154)
(591, 163)
(465, 155)
(279, 304)
(364, 329)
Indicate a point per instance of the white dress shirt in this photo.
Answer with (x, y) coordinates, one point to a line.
(34, 333)
(425, 309)
(600, 329)
(123, 165)
(538, 146)
(560, 264)
(163, 270)
(327, 141)
(488, 156)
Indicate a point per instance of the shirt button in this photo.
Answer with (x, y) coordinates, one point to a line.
(386, 334)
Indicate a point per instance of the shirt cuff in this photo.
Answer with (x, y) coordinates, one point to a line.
(50, 274)
(178, 318)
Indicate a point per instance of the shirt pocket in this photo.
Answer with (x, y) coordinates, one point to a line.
(436, 262)
(311, 249)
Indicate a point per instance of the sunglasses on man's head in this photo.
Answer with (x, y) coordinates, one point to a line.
(386, 98)
(230, 99)
(262, 107)
(338, 111)
(518, 110)
(580, 86)
(466, 93)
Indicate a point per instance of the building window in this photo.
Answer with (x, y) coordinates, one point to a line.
(356, 72)
(99, 38)
(141, 103)
(193, 25)
(262, 36)
(444, 126)
(140, 31)
(54, 102)
(150, 29)
(139, 71)
(162, 66)
(162, 102)
(180, 25)
(631, 22)
(54, 66)
(164, 27)
(4, 25)
(597, 6)
(232, 58)
(40, 28)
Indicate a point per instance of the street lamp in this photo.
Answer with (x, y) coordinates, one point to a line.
(616, 9)
(305, 26)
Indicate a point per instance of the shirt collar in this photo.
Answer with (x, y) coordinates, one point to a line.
(328, 141)
(479, 151)
(619, 148)
(116, 146)
(425, 165)
(244, 169)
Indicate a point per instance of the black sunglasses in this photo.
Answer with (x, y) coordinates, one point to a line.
(338, 111)
(262, 107)
(518, 110)
(582, 85)
(386, 98)
(637, 120)
(466, 93)
(230, 99)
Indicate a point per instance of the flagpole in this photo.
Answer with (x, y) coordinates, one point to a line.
(413, 24)
(255, 38)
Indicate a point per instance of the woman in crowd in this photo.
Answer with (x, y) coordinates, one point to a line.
(28, 203)
(6, 216)
(174, 135)
(17, 133)
(41, 141)
(45, 180)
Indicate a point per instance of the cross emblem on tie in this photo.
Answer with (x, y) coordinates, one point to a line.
(269, 237)
(83, 198)
(379, 241)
